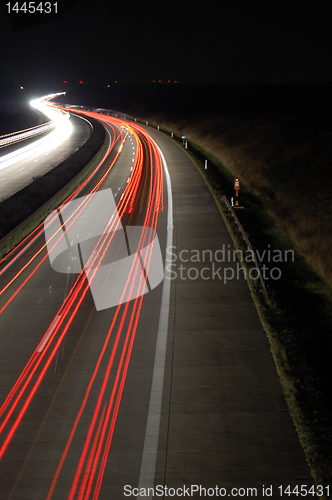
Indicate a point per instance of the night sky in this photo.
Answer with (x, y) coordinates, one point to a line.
(99, 41)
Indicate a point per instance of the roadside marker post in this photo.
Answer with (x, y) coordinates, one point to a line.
(237, 188)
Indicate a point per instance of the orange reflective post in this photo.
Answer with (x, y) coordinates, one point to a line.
(236, 187)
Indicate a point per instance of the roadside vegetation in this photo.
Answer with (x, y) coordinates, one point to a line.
(284, 163)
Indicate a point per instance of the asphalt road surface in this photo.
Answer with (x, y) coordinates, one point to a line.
(175, 387)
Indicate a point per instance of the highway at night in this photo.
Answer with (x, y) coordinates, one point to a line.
(173, 386)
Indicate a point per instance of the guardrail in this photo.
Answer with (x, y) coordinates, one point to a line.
(21, 135)
(246, 239)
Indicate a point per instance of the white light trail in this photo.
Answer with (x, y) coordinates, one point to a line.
(6, 140)
(63, 130)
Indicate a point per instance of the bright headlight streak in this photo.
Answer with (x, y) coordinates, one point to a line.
(63, 130)
(6, 140)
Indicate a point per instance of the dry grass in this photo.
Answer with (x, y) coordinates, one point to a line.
(284, 159)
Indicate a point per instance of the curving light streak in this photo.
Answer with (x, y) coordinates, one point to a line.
(7, 139)
(17, 392)
(91, 466)
(21, 247)
(92, 463)
(62, 131)
(39, 230)
(15, 397)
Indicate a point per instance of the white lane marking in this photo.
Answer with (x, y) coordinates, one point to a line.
(150, 448)
(48, 333)
(21, 169)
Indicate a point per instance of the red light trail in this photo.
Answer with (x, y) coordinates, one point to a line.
(88, 478)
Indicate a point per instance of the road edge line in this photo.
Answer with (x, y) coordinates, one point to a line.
(150, 448)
